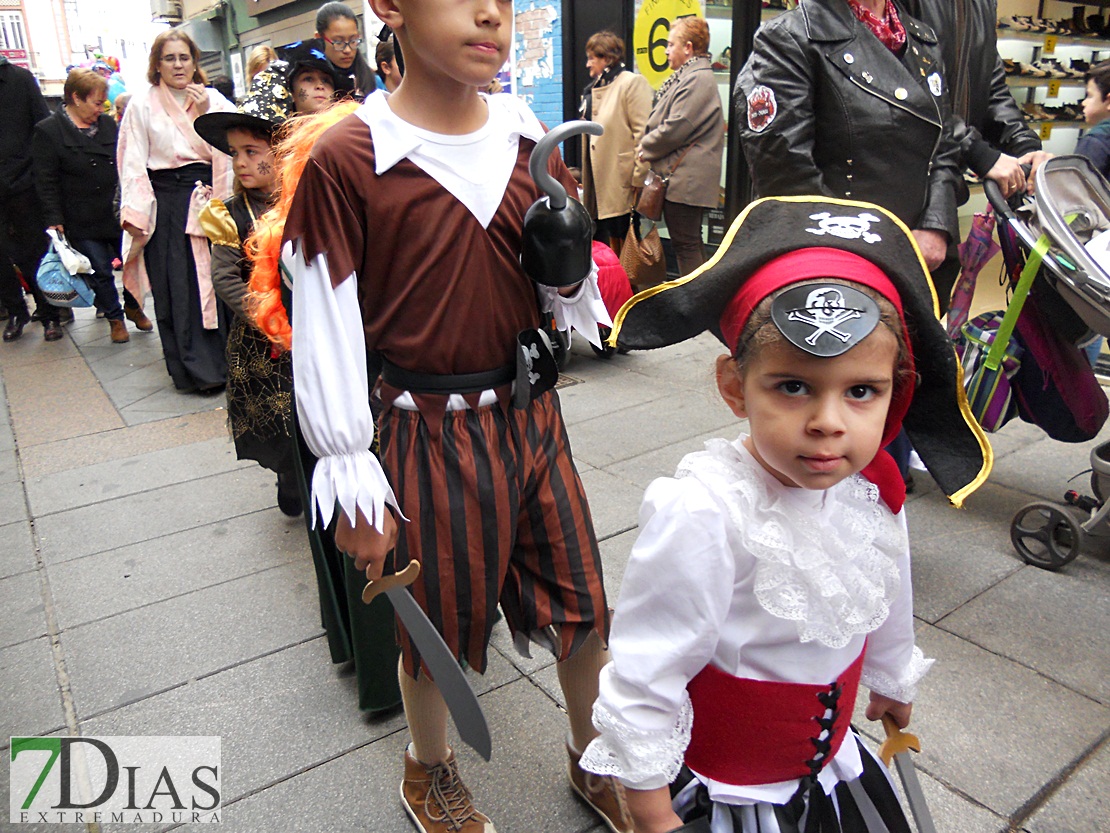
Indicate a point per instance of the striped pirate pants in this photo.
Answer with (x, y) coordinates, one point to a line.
(497, 514)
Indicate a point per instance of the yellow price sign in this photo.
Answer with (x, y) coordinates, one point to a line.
(1049, 44)
(1046, 130)
(649, 35)
(1053, 89)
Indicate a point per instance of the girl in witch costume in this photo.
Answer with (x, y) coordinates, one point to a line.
(355, 631)
(772, 573)
(259, 378)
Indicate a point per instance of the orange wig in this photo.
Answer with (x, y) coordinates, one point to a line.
(263, 247)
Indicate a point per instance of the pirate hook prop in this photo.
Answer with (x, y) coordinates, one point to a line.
(815, 238)
(557, 241)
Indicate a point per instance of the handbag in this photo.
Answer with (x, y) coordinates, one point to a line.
(57, 274)
(991, 356)
(642, 257)
(654, 193)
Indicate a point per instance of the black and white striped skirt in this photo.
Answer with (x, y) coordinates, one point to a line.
(867, 805)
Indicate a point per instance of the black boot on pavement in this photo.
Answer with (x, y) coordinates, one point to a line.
(51, 331)
(16, 323)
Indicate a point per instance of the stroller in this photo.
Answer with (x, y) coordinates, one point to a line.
(1071, 297)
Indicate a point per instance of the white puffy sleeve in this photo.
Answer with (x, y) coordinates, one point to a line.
(894, 664)
(332, 394)
(583, 310)
(676, 593)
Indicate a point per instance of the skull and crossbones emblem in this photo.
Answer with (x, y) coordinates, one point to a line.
(846, 228)
(825, 310)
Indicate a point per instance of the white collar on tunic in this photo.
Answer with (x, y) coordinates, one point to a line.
(395, 139)
(823, 560)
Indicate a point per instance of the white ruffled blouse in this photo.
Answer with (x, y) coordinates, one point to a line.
(764, 581)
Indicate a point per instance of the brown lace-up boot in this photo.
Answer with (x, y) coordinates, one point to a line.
(604, 794)
(438, 801)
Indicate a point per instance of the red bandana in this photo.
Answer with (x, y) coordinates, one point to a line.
(887, 29)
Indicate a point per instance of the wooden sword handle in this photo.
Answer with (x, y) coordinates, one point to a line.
(402, 579)
(896, 741)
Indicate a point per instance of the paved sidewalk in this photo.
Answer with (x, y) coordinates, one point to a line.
(150, 586)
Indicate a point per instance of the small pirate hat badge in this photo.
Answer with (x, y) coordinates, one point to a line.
(826, 319)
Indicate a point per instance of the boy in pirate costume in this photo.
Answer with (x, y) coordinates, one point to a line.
(771, 575)
(404, 238)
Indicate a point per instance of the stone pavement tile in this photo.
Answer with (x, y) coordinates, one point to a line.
(42, 460)
(614, 502)
(501, 642)
(1081, 804)
(992, 729)
(662, 462)
(1014, 436)
(619, 389)
(17, 550)
(959, 553)
(9, 467)
(148, 515)
(524, 789)
(951, 811)
(120, 660)
(31, 350)
(72, 405)
(13, 503)
(29, 692)
(132, 389)
(1043, 468)
(615, 552)
(1055, 623)
(168, 402)
(645, 428)
(7, 438)
(142, 364)
(276, 716)
(24, 615)
(116, 478)
(90, 588)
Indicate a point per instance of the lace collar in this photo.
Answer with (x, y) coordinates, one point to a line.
(823, 560)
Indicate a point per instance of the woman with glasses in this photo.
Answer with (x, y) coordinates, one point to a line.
(337, 29)
(167, 173)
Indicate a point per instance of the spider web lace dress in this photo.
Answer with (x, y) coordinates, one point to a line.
(764, 583)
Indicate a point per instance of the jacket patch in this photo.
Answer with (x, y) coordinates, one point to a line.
(762, 108)
(935, 85)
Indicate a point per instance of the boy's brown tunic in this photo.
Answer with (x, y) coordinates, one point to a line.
(497, 513)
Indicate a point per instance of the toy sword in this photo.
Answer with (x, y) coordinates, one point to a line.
(445, 670)
(897, 746)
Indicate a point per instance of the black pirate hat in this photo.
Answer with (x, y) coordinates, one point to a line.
(938, 421)
(263, 111)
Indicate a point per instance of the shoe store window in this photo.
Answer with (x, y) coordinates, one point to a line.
(1046, 49)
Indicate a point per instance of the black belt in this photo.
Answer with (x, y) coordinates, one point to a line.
(445, 383)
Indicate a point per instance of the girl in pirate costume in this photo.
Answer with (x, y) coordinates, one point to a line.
(771, 575)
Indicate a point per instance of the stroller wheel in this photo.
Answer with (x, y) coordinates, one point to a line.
(1045, 536)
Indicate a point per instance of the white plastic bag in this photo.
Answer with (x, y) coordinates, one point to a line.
(72, 259)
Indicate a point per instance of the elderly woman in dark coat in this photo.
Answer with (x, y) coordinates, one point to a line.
(684, 139)
(847, 98)
(74, 153)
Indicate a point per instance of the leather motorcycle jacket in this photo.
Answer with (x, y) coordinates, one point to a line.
(825, 108)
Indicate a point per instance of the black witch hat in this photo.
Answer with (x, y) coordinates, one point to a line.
(262, 111)
(939, 422)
